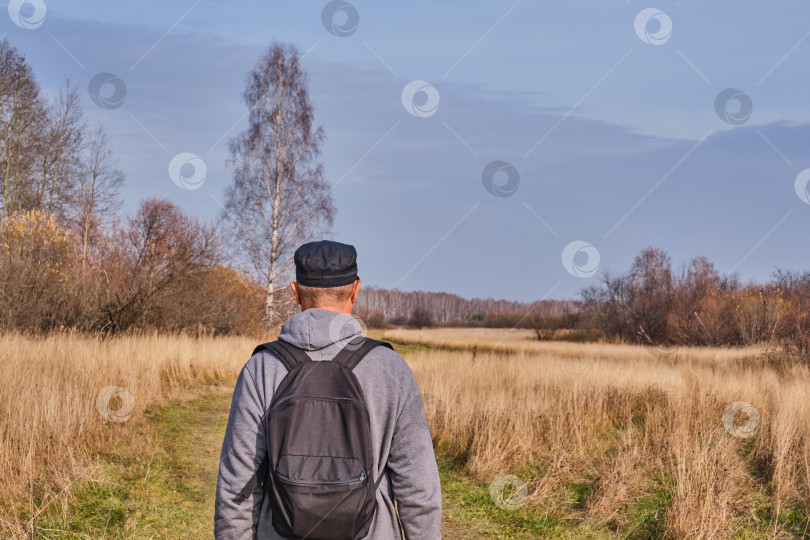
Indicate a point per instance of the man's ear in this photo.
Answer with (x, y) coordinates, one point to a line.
(355, 290)
(294, 287)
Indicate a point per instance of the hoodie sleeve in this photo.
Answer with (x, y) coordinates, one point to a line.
(413, 471)
(243, 449)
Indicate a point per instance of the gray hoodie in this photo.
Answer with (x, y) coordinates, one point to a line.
(399, 434)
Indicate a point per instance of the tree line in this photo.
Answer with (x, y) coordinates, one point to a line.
(652, 303)
(69, 259)
(379, 307)
(649, 304)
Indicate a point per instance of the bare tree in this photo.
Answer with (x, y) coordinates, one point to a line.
(420, 318)
(97, 195)
(651, 287)
(60, 157)
(160, 251)
(279, 198)
(23, 121)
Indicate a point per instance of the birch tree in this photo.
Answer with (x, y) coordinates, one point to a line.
(97, 193)
(61, 155)
(279, 198)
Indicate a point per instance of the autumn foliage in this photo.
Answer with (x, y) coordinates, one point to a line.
(159, 270)
(653, 304)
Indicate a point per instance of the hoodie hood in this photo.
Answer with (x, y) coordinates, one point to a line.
(317, 328)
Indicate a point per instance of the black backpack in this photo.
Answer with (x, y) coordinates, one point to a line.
(318, 471)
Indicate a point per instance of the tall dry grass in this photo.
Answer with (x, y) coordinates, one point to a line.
(639, 435)
(50, 421)
(626, 424)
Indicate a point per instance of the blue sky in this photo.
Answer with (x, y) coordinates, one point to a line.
(616, 141)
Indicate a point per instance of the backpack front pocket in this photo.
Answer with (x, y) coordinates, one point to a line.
(319, 496)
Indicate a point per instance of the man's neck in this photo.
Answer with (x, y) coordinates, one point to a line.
(340, 309)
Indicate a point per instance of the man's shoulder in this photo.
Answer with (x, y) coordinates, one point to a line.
(263, 361)
(386, 350)
(384, 360)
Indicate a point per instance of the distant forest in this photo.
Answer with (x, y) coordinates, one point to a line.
(379, 306)
(651, 304)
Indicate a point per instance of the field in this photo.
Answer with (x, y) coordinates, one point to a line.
(598, 440)
(636, 440)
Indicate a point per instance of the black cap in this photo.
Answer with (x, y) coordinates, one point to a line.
(325, 264)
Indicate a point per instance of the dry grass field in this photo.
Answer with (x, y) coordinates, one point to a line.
(623, 436)
(55, 414)
(609, 439)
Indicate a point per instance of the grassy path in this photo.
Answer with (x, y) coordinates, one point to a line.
(159, 483)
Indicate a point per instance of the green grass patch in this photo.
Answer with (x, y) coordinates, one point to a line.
(469, 503)
(160, 483)
(646, 513)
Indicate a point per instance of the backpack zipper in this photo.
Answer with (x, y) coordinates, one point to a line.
(318, 398)
(286, 479)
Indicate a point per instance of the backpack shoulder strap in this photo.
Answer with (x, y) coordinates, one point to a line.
(290, 355)
(259, 478)
(354, 352)
(350, 356)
